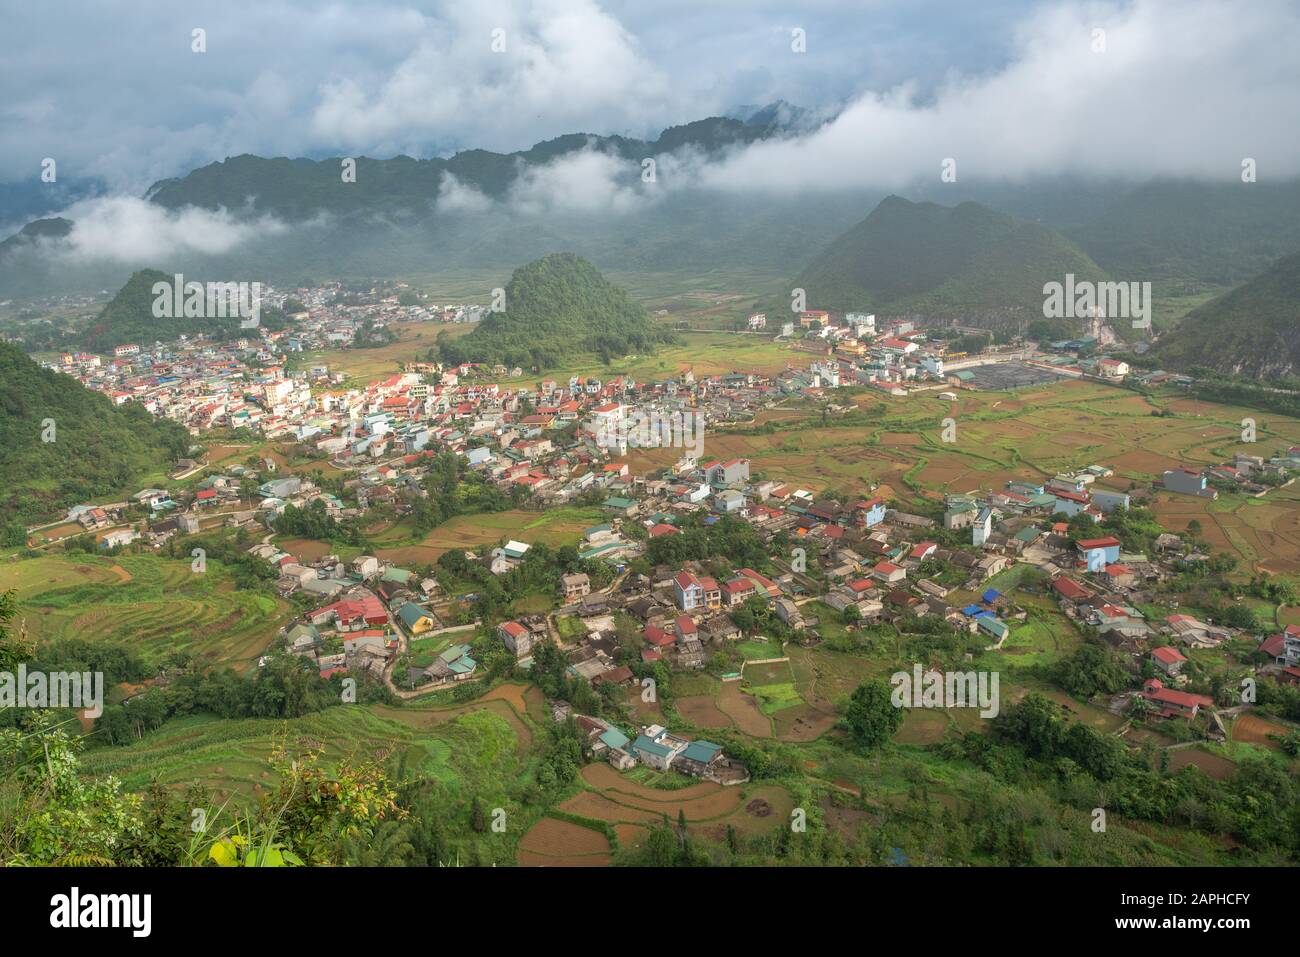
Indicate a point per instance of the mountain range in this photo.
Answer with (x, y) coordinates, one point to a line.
(978, 251)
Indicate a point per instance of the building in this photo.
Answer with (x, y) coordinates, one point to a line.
(687, 591)
(1168, 703)
(416, 619)
(1169, 660)
(516, 637)
(1188, 482)
(575, 586)
(1099, 552)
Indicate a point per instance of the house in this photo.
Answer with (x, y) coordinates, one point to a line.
(1169, 703)
(654, 754)
(698, 757)
(1169, 660)
(374, 638)
(1188, 482)
(575, 586)
(351, 614)
(1284, 646)
(123, 536)
(869, 513)
(1070, 590)
(416, 619)
(736, 591)
(711, 592)
(889, 572)
(365, 566)
(1098, 552)
(923, 551)
(687, 591)
(516, 637)
(992, 626)
(789, 613)
(732, 472)
(657, 748)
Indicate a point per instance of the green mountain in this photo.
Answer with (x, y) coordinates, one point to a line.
(37, 229)
(405, 188)
(129, 317)
(1253, 330)
(555, 307)
(98, 448)
(1211, 234)
(964, 262)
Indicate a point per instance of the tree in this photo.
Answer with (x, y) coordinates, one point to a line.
(871, 716)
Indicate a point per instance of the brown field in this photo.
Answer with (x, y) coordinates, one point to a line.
(603, 777)
(714, 804)
(1263, 533)
(552, 838)
(593, 805)
(845, 821)
(1213, 765)
(514, 694)
(803, 723)
(760, 811)
(700, 710)
(305, 549)
(743, 710)
(631, 835)
(471, 531)
(922, 726)
(1253, 730)
(646, 712)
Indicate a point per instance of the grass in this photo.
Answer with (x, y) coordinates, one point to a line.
(777, 697)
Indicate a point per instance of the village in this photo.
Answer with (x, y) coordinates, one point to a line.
(549, 445)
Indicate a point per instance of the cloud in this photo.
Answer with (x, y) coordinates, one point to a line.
(1179, 90)
(457, 197)
(1007, 88)
(494, 74)
(586, 181)
(134, 232)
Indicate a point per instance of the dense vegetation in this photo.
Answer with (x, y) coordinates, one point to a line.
(556, 307)
(129, 317)
(97, 448)
(1254, 330)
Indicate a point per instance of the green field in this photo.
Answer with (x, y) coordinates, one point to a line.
(154, 605)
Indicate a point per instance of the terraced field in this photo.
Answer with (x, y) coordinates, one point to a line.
(152, 604)
(233, 757)
(632, 808)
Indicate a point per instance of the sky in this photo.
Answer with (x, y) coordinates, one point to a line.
(995, 89)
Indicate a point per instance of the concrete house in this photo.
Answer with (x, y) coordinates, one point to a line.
(516, 637)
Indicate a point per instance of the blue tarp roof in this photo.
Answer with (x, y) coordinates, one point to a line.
(971, 610)
(992, 595)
